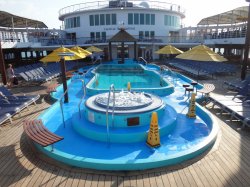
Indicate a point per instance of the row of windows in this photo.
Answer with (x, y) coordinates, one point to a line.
(171, 21)
(72, 22)
(141, 19)
(146, 34)
(98, 35)
(102, 19)
(102, 35)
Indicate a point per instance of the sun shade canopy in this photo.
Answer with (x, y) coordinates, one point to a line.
(201, 53)
(81, 51)
(169, 49)
(234, 16)
(10, 20)
(93, 49)
(55, 56)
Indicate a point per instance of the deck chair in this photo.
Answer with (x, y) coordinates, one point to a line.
(28, 99)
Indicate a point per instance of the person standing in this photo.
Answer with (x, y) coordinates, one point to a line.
(10, 75)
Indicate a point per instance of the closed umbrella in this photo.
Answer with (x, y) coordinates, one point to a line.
(169, 50)
(61, 54)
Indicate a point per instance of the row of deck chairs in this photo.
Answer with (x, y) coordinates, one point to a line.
(40, 73)
(238, 106)
(203, 69)
(237, 84)
(11, 104)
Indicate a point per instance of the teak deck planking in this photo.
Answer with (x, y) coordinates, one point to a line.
(226, 164)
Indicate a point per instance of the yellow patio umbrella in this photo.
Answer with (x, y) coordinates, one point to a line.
(93, 49)
(201, 53)
(81, 51)
(61, 54)
(169, 49)
(84, 53)
(55, 56)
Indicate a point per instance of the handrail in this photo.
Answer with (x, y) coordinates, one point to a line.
(111, 89)
(61, 98)
(146, 62)
(84, 95)
(172, 74)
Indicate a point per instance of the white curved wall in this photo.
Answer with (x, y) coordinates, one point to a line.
(159, 28)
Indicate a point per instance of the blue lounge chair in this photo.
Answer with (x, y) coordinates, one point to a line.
(7, 95)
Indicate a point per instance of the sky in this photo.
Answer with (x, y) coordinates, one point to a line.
(47, 10)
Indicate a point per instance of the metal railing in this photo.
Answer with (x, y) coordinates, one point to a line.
(84, 95)
(61, 98)
(111, 89)
(145, 61)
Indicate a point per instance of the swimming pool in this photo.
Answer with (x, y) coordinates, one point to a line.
(88, 144)
(120, 75)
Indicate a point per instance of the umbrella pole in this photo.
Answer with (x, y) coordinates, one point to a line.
(64, 81)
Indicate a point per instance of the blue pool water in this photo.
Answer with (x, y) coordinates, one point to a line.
(86, 143)
(139, 78)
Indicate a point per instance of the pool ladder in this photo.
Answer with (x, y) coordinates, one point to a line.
(111, 89)
(61, 99)
(142, 59)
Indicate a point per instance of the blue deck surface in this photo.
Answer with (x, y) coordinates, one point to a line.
(188, 138)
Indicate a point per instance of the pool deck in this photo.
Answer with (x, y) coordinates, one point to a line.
(226, 164)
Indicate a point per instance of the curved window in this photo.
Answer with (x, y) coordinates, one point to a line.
(141, 19)
(72, 22)
(102, 19)
(173, 21)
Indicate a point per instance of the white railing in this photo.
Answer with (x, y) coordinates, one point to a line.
(159, 5)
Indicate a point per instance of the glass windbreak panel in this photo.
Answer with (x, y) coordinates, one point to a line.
(92, 36)
(108, 19)
(152, 19)
(102, 19)
(141, 19)
(96, 19)
(130, 19)
(113, 19)
(98, 35)
(152, 34)
(91, 20)
(140, 35)
(147, 19)
(104, 36)
(136, 19)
